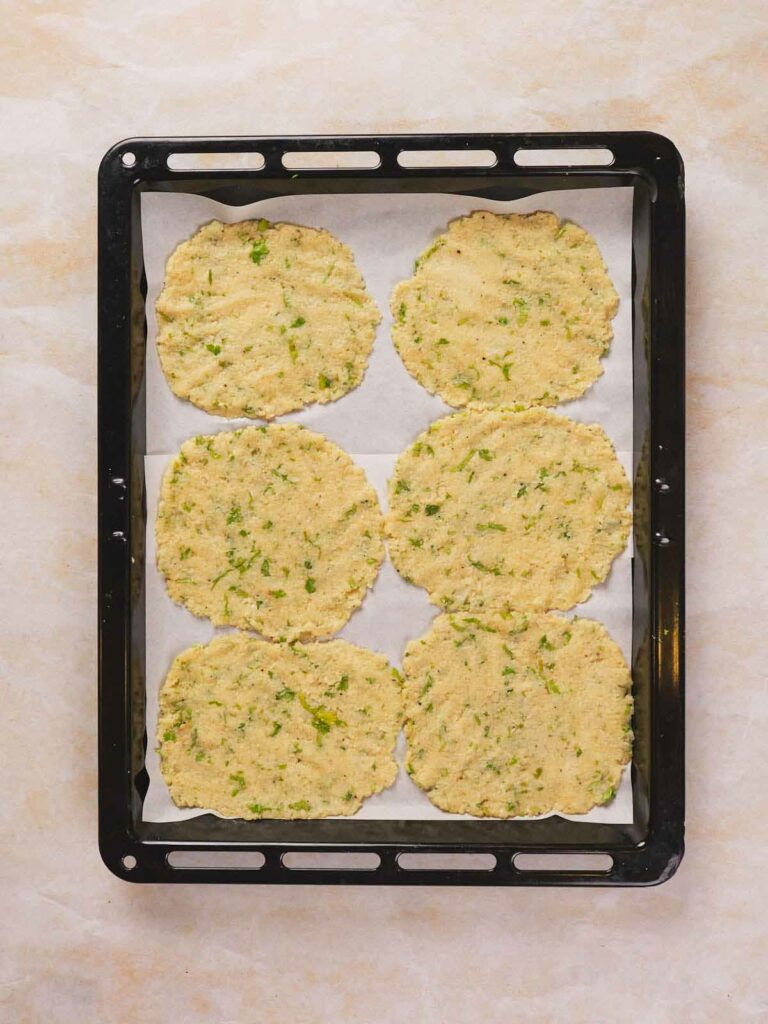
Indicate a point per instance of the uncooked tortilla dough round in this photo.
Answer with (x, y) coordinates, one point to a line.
(506, 309)
(517, 714)
(269, 528)
(256, 319)
(260, 730)
(508, 509)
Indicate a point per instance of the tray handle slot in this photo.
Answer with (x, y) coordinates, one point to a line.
(446, 862)
(330, 860)
(232, 161)
(217, 860)
(587, 157)
(331, 160)
(418, 159)
(591, 862)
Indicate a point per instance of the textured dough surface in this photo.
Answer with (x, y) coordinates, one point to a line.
(256, 319)
(506, 309)
(253, 729)
(517, 715)
(508, 509)
(268, 528)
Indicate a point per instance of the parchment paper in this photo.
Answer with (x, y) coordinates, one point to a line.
(374, 424)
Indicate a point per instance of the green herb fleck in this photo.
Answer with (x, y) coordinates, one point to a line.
(239, 780)
(216, 349)
(258, 808)
(259, 250)
(322, 719)
(310, 586)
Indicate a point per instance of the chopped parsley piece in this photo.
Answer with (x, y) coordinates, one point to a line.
(323, 720)
(431, 510)
(239, 780)
(216, 349)
(310, 586)
(259, 250)
(298, 322)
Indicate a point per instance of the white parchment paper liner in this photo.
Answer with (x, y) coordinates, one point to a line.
(374, 424)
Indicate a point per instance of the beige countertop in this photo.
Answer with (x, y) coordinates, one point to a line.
(81, 946)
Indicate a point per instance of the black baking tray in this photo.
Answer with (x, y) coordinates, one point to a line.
(645, 852)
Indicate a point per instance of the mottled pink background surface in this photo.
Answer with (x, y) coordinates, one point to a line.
(81, 946)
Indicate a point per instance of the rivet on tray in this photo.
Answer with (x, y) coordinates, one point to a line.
(662, 485)
(661, 539)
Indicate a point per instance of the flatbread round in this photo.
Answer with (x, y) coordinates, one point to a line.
(259, 730)
(257, 319)
(503, 509)
(506, 309)
(269, 528)
(517, 714)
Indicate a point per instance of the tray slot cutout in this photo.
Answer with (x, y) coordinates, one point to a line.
(331, 160)
(418, 159)
(597, 157)
(593, 862)
(226, 860)
(446, 861)
(215, 161)
(330, 860)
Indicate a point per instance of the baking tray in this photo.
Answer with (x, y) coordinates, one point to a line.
(435, 852)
